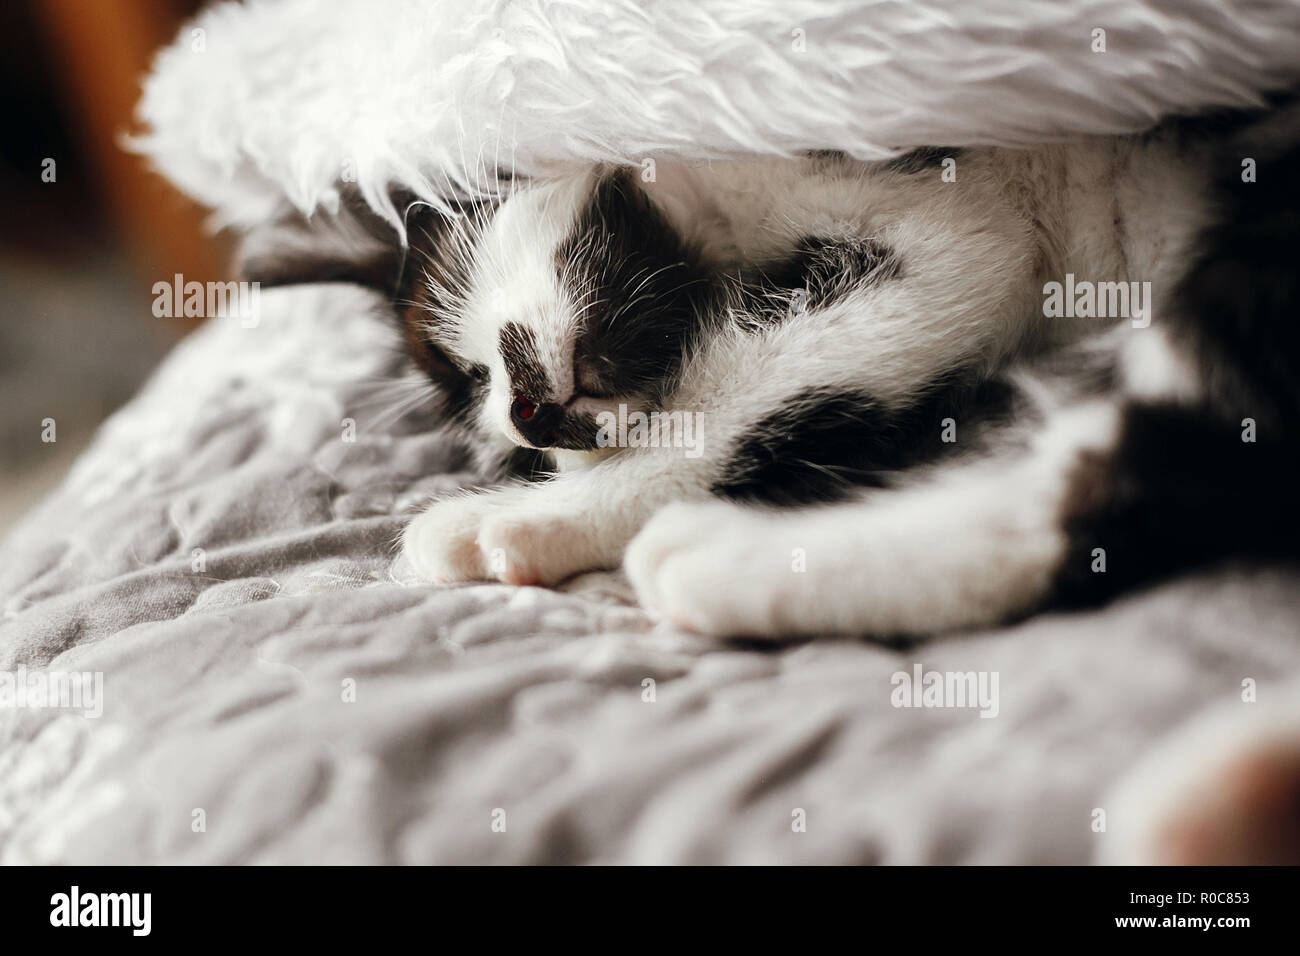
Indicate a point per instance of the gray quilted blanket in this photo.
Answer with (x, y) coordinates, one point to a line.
(275, 689)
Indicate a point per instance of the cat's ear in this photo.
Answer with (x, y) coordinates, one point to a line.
(351, 244)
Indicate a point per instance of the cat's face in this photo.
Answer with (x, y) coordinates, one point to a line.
(563, 301)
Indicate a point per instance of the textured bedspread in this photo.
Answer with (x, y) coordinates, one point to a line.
(276, 690)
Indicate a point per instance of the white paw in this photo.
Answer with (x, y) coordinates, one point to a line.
(717, 569)
(441, 544)
(537, 549)
(498, 536)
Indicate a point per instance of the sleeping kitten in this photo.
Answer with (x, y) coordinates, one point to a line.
(1158, 445)
(831, 325)
(753, 329)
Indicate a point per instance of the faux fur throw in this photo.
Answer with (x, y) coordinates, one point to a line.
(287, 98)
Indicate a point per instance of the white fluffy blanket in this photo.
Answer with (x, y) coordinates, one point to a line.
(283, 98)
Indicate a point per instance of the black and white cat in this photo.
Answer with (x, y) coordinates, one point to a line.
(885, 398)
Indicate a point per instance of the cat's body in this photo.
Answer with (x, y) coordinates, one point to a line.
(867, 345)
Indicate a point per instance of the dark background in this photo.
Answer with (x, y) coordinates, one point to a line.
(79, 256)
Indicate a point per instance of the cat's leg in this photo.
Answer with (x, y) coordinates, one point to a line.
(1112, 493)
(969, 544)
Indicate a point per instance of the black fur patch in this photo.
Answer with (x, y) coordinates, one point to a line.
(640, 289)
(578, 432)
(819, 272)
(530, 464)
(923, 159)
(1181, 488)
(528, 378)
(826, 443)
(1238, 307)
(832, 161)
(831, 269)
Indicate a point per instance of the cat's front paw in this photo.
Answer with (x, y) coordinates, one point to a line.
(442, 544)
(504, 535)
(715, 569)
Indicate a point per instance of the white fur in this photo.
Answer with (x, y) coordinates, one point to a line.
(515, 280)
(1154, 368)
(973, 257)
(283, 98)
